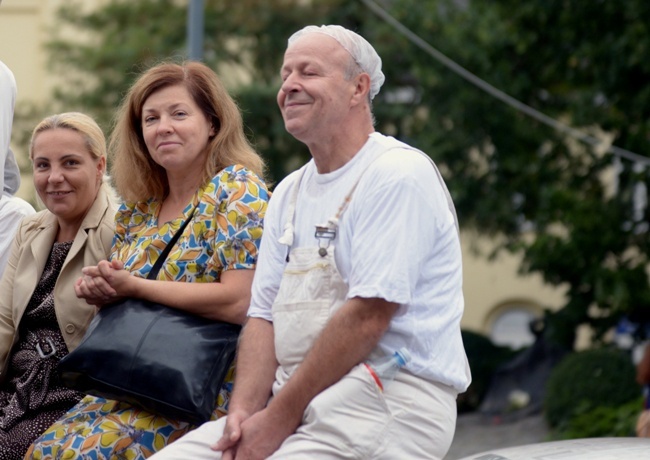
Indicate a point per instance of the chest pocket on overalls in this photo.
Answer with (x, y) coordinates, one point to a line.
(310, 290)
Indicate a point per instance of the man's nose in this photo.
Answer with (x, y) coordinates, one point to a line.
(289, 84)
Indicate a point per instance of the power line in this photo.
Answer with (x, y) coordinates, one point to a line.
(497, 93)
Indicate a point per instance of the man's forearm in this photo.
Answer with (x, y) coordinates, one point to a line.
(256, 366)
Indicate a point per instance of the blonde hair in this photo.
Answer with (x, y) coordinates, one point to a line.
(137, 177)
(89, 130)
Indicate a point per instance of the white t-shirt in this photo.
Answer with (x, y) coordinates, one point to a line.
(397, 240)
(12, 211)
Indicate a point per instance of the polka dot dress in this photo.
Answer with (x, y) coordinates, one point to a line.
(33, 397)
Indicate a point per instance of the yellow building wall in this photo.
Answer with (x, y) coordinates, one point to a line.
(21, 34)
(489, 286)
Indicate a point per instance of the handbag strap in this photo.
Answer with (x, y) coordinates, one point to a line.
(153, 273)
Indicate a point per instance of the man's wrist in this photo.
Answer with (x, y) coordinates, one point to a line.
(242, 409)
(288, 412)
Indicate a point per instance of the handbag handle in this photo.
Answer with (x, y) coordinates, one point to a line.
(153, 273)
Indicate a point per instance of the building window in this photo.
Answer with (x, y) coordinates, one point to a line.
(511, 327)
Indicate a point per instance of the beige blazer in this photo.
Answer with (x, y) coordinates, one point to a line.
(29, 252)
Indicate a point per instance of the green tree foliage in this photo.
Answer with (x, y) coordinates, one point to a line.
(541, 193)
(581, 62)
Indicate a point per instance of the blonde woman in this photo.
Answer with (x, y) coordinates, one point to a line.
(41, 318)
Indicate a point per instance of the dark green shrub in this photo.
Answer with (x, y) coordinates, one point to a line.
(484, 357)
(586, 380)
(602, 422)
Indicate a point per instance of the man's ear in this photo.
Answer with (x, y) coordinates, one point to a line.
(361, 88)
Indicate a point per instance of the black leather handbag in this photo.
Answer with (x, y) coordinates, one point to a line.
(163, 359)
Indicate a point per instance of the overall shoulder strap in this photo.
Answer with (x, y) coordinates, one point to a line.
(287, 234)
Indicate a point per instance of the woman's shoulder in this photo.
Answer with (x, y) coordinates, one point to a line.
(236, 172)
(33, 222)
(237, 177)
(130, 212)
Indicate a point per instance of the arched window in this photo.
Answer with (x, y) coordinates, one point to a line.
(510, 325)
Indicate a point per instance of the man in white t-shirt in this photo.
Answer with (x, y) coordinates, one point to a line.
(12, 208)
(360, 258)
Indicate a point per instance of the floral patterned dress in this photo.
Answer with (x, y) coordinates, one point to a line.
(225, 234)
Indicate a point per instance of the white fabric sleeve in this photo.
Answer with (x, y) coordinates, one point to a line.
(12, 211)
(395, 215)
